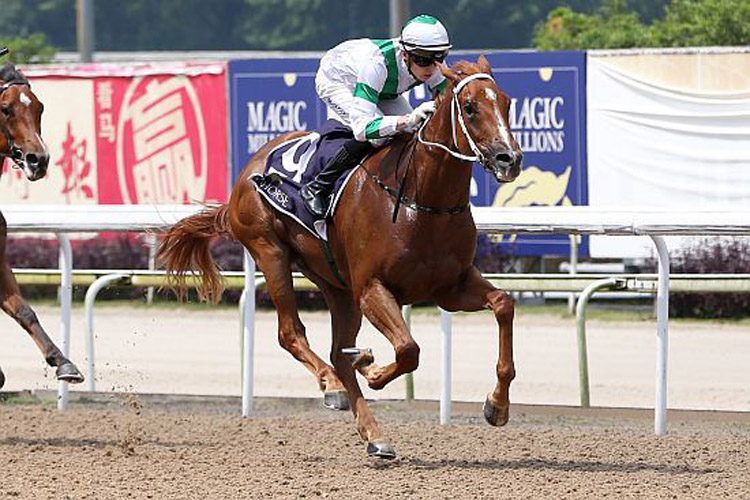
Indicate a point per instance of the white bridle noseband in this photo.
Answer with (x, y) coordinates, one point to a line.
(456, 111)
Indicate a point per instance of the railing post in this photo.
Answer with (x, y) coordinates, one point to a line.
(248, 335)
(447, 367)
(91, 294)
(662, 336)
(583, 359)
(573, 270)
(406, 311)
(66, 299)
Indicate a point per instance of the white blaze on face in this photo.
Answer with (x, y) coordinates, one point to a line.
(504, 133)
(44, 145)
(25, 100)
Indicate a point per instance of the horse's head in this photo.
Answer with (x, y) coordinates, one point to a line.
(481, 110)
(21, 124)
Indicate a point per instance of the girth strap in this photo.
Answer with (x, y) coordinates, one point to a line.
(331, 262)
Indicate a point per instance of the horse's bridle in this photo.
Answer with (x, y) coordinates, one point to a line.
(16, 153)
(456, 111)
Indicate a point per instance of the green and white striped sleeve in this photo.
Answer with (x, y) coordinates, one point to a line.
(367, 121)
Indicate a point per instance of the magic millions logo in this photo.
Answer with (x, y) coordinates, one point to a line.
(161, 142)
(538, 123)
(268, 119)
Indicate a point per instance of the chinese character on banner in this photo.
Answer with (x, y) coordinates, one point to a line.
(104, 100)
(162, 154)
(75, 168)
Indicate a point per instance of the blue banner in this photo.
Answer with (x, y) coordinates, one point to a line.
(270, 97)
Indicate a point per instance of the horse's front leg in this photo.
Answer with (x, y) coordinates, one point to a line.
(381, 309)
(17, 308)
(473, 293)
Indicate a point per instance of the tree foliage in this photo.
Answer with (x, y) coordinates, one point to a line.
(685, 23)
(25, 50)
(691, 23)
(319, 24)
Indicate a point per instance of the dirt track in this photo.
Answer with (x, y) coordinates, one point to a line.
(189, 351)
(131, 448)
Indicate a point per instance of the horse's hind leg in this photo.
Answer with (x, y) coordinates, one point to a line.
(346, 320)
(474, 293)
(17, 308)
(273, 258)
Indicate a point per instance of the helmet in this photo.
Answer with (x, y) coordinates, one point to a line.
(425, 34)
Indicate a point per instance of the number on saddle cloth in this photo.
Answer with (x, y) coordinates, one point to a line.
(295, 162)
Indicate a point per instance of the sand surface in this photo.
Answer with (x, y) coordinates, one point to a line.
(188, 351)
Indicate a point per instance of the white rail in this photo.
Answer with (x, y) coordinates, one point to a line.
(560, 220)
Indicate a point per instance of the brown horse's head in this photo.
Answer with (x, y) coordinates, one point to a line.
(483, 108)
(21, 124)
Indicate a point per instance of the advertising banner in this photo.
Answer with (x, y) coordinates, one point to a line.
(129, 135)
(269, 97)
(669, 131)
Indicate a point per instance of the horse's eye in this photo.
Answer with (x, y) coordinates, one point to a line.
(469, 108)
(6, 111)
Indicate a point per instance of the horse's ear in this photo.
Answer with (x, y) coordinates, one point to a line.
(484, 65)
(449, 73)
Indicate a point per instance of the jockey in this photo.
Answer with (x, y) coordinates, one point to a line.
(362, 82)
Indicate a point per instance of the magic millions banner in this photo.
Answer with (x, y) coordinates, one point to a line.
(270, 97)
(128, 134)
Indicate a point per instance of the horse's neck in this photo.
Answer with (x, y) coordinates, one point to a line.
(441, 181)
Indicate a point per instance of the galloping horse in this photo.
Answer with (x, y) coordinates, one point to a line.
(393, 244)
(21, 141)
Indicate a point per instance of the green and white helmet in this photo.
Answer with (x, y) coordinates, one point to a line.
(425, 33)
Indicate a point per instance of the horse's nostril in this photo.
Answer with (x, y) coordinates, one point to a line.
(503, 158)
(32, 159)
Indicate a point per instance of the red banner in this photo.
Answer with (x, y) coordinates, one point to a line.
(129, 135)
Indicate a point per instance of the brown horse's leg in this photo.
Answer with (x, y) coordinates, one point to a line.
(472, 294)
(381, 308)
(273, 258)
(17, 308)
(346, 320)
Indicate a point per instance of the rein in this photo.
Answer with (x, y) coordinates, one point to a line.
(478, 156)
(16, 154)
(402, 199)
(456, 111)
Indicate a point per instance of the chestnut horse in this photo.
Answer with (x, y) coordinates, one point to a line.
(21, 141)
(425, 255)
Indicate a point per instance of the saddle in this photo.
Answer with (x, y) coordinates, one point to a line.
(296, 161)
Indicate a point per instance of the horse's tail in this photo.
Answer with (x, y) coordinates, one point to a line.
(186, 247)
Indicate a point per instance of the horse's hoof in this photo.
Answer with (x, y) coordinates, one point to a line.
(359, 357)
(67, 372)
(380, 449)
(494, 415)
(2, 379)
(336, 400)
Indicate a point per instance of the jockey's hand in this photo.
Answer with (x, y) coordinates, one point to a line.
(420, 114)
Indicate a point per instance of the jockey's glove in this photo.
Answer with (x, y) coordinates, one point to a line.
(420, 114)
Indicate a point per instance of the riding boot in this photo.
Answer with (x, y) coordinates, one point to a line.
(316, 193)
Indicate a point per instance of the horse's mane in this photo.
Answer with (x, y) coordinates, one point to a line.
(8, 72)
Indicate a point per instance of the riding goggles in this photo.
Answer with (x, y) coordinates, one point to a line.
(424, 60)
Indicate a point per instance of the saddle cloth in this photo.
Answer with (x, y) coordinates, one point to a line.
(292, 163)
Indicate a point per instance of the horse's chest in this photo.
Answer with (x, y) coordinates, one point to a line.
(430, 263)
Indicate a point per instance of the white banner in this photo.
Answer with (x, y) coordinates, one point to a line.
(667, 131)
